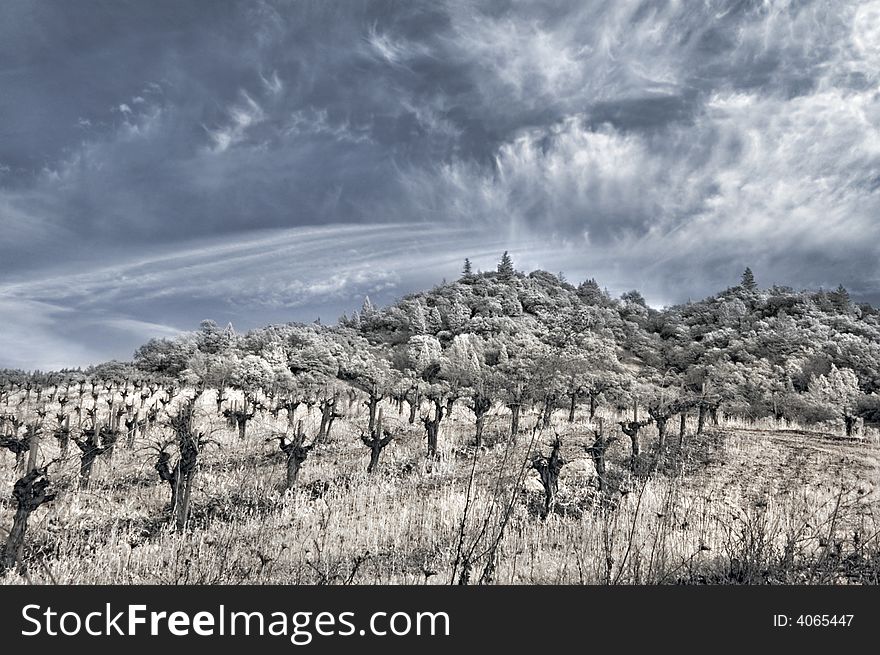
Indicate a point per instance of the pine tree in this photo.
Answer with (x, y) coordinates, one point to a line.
(367, 309)
(840, 299)
(417, 321)
(505, 266)
(467, 271)
(748, 280)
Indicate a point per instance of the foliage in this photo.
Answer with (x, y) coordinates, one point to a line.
(749, 351)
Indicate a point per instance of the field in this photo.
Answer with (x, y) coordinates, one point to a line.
(738, 503)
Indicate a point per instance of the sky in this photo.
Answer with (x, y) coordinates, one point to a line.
(265, 161)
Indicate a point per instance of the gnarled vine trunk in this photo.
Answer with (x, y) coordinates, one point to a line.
(182, 476)
(29, 493)
(432, 428)
(548, 469)
(481, 406)
(328, 415)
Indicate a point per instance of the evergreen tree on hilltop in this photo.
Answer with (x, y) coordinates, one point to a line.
(505, 266)
(748, 280)
(467, 271)
(841, 299)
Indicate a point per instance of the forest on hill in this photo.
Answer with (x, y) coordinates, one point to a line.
(504, 337)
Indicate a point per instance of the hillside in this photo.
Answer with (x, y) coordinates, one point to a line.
(503, 428)
(808, 356)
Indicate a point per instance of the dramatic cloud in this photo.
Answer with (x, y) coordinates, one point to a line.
(253, 161)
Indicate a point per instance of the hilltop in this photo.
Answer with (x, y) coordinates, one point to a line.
(811, 355)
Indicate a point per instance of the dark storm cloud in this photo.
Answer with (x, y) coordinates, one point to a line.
(145, 148)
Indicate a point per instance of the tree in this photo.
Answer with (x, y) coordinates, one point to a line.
(505, 267)
(314, 351)
(600, 384)
(703, 382)
(588, 368)
(165, 356)
(407, 389)
(467, 271)
(416, 317)
(465, 368)
(590, 292)
(292, 392)
(211, 371)
(213, 340)
(368, 370)
(251, 375)
(748, 280)
(517, 373)
(424, 355)
(422, 352)
(548, 382)
(663, 397)
(840, 299)
(113, 371)
(839, 390)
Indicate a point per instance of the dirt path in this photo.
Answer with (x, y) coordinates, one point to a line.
(761, 462)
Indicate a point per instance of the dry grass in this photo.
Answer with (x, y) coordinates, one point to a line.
(735, 505)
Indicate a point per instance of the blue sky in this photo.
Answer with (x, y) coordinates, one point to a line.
(165, 162)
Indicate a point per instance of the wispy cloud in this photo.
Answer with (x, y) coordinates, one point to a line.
(242, 115)
(272, 83)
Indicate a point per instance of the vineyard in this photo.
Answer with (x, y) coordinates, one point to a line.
(500, 429)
